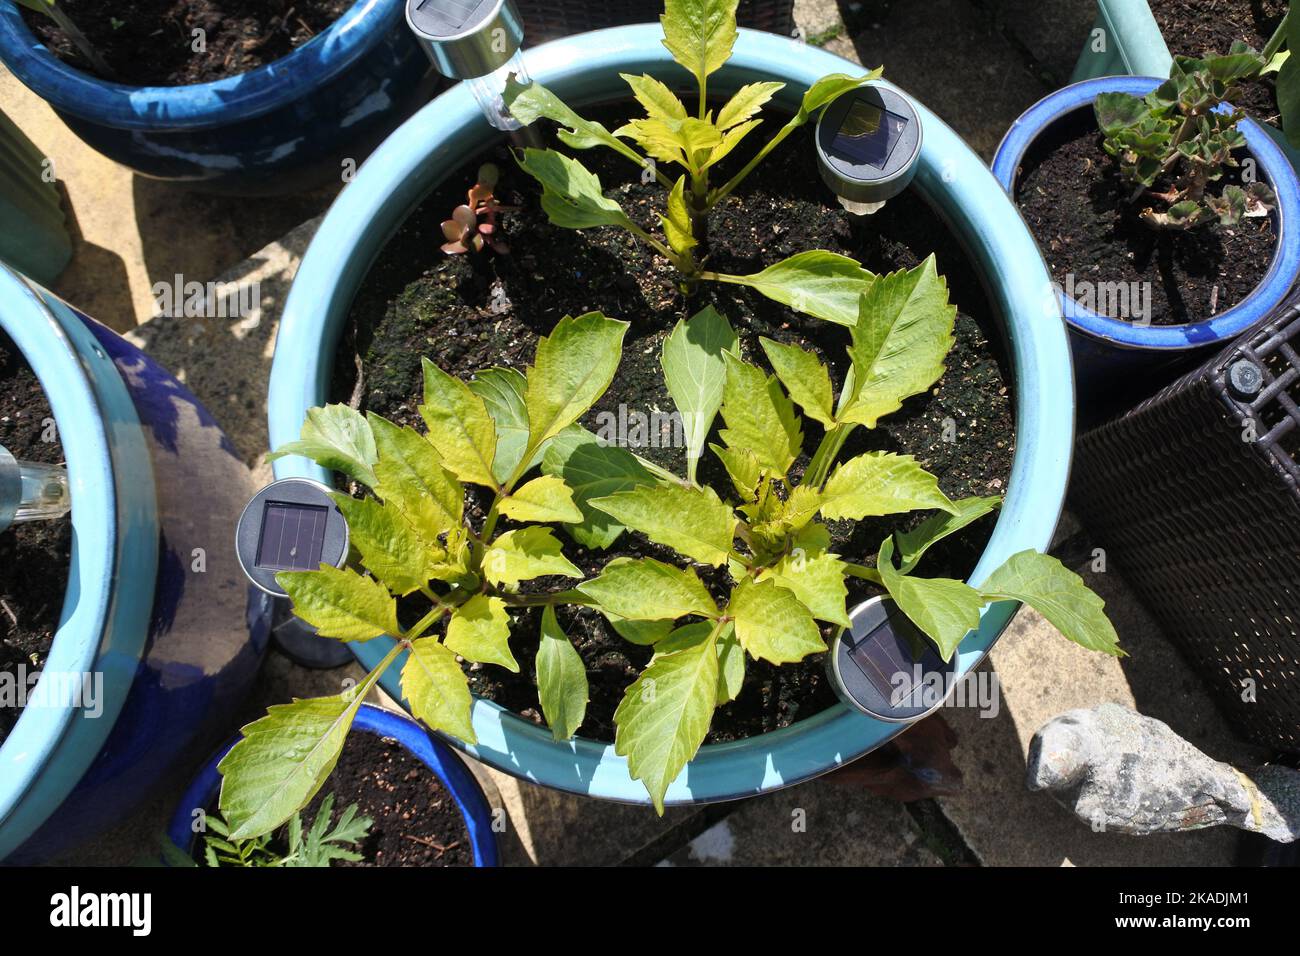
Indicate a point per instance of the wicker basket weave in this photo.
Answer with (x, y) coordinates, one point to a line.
(1195, 495)
(551, 19)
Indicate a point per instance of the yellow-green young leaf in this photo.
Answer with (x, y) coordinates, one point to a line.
(913, 544)
(460, 427)
(819, 283)
(573, 367)
(943, 608)
(759, 417)
(523, 554)
(648, 590)
(546, 498)
(699, 139)
(659, 101)
(694, 371)
(437, 690)
(903, 334)
(828, 88)
(502, 391)
(699, 33)
(731, 666)
(730, 140)
(571, 195)
(692, 521)
(592, 470)
(643, 633)
(335, 437)
(881, 483)
(800, 508)
(665, 713)
(749, 99)
(1057, 593)
(389, 547)
(677, 223)
(340, 603)
(411, 478)
(804, 377)
(662, 139)
(771, 624)
(479, 631)
(818, 583)
(561, 679)
(282, 760)
(743, 468)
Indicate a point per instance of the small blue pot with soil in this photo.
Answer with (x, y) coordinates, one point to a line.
(1201, 287)
(290, 124)
(413, 803)
(155, 636)
(952, 189)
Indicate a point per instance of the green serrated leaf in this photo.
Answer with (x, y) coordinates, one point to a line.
(502, 391)
(880, 483)
(772, 624)
(528, 103)
(747, 102)
(913, 544)
(479, 631)
(699, 33)
(546, 498)
(945, 609)
(819, 283)
(692, 521)
(659, 138)
(437, 690)
(805, 378)
(460, 427)
(389, 547)
(335, 437)
(341, 603)
(903, 334)
(677, 223)
(730, 140)
(828, 88)
(694, 371)
(643, 633)
(817, 581)
(659, 101)
(571, 195)
(648, 590)
(409, 476)
(1057, 593)
(731, 666)
(759, 417)
(592, 470)
(574, 366)
(665, 713)
(742, 467)
(523, 554)
(561, 679)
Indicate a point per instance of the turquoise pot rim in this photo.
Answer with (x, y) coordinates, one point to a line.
(584, 69)
(196, 105)
(104, 621)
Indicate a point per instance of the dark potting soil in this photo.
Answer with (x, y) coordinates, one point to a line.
(1077, 206)
(34, 556)
(415, 820)
(151, 42)
(469, 313)
(1201, 27)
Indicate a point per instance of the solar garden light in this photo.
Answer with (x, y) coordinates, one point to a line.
(476, 41)
(868, 142)
(885, 667)
(31, 492)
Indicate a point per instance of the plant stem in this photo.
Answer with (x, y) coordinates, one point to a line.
(79, 40)
(864, 572)
(737, 179)
(433, 617)
(542, 600)
(490, 522)
(650, 240)
(1276, 40)
(663, 474)
(831, 444)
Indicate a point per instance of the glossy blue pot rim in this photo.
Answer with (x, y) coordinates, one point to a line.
(437, 756)
(114, 537)
(201, 104)
(584, 69)
(1276, 169)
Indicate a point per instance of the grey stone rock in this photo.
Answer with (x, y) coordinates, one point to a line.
(1119, 771)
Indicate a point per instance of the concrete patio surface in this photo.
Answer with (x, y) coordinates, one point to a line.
(130, 233)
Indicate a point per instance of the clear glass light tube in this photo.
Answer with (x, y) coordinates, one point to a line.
(31, 491)
(489, 91)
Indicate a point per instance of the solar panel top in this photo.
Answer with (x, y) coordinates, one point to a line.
(293, 536)
(448, 18)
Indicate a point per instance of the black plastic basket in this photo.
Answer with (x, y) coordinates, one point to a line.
(1194, 495)
(551, 19)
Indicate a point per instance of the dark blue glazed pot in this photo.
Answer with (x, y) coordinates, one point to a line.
(437, 756)
(283, 127)
(156, 607)
(1111, 354)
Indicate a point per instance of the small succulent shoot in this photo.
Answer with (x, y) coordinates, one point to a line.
(1184, 134)
(768, 530)
(473, 226)
(700, 35)
(55, 12)
(321, 844)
